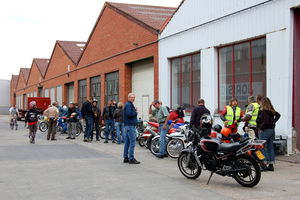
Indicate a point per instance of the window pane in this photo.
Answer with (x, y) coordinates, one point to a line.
(196, 79)
(175, 83)
(258, 67)
(242, 74)
(225, 76)
(186, 82)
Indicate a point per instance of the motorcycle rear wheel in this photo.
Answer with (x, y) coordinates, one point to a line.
(43, 126)
(155, 146)
(174, 147)
(191, 169)
(252, 176)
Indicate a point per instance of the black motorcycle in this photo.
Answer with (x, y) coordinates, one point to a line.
(225, 159)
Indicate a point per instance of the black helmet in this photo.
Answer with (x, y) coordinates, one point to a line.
(217, 128)
(206, 121)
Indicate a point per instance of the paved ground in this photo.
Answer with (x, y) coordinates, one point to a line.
(72, 169)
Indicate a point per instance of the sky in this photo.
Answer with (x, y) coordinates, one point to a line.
(30, 28)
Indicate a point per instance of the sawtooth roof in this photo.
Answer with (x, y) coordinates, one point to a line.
(15, 80)
(72, 49)
(42, 65)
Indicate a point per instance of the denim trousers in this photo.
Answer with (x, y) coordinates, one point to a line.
(163, 139)
(96, 123)
(269, 136)
(88, 126)
(129, 142)
(109, 123)
(120, 130)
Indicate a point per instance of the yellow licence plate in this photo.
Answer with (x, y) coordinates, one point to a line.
(260, 155)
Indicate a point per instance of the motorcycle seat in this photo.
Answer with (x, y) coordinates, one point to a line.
(231, 147)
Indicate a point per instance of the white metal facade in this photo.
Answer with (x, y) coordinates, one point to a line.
(203, 26)
(5, 96)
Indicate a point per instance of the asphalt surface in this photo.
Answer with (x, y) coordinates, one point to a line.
(73, 169)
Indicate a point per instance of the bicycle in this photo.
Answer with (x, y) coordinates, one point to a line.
(13, 122)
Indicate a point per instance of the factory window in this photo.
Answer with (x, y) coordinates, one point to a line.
(242, 71)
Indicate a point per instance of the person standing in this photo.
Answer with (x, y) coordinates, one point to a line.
(87, 114)
(52, 113)
(79, 117)
(32, 120)
(60, 109)
(162, 115)
(197, 113)
(72, 115)
(250, 117)
(269, 118)
(96, 116)
(259, 115)
(130, 121)
(107, 116)
(231, 115)
(118, 116)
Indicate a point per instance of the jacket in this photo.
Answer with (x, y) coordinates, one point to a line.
(129, 114)
(197, 113)
(52, 112)
(97, 111)
(118, 115)
(70, 112)
(269, 119)
(31, 116)
(86, 109)
(108, 112)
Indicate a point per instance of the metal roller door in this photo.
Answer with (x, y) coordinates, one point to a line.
(143, 86)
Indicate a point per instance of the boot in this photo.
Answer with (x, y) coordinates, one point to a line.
(263, 168)
(270, 168)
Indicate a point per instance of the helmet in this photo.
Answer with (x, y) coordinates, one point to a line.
(225, 131)
(95, 100)
(32, 104)
(217, 128)
(206, 121)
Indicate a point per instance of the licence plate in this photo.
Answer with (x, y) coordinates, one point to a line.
(260, 155)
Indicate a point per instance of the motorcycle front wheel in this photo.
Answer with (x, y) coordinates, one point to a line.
(154, 147)
(149, 140)
(251, 176)
(191, 169)
(43, 126)
(174, 147)
(142, 142)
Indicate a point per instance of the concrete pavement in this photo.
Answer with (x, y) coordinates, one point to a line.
(73, 169)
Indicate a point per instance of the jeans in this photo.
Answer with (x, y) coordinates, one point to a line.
(163, 139)
(269, 136)
(88, 126)
(109, 123)
(129, 142)
(96, 123)
(120, 130)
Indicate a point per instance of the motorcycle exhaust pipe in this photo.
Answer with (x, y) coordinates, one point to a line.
(235, 170)
(152, 132)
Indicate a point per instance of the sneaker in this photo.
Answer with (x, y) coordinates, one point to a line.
(98, 139)
(73, 138)
(113, 141)
(106, 141)
(88, 140)
(270, 168)
(126, 160)
(33, 142)
(159, 156)
(85, 139)
(166, 155)
(31, 139)
(68, 137)
(134, 161)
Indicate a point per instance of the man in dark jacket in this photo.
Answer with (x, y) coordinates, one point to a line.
(130, 121)
(97, 115)
(32, 120)
(72, 115)
(197, 112)
(107, 116)
(87, 114)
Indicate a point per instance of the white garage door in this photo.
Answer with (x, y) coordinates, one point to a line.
(143, 86)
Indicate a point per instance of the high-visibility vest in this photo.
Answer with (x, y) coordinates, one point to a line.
(254, 114)
(229, 115)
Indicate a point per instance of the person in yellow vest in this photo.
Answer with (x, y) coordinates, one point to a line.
(250, 117)
(232, 115)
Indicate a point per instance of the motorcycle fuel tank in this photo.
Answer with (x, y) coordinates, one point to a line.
(210, 144)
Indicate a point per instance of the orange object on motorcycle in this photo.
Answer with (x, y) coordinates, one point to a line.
(225, 131)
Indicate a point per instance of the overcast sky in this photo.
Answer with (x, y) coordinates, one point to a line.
(30, 28)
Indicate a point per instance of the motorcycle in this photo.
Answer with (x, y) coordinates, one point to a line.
(148, 134)
(176, 141)
(233, 160)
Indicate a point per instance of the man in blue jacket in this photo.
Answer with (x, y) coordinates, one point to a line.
(130, 121)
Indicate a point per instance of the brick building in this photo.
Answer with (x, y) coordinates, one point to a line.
(119, 57)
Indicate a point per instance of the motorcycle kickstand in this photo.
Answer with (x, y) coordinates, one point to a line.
(211, 174)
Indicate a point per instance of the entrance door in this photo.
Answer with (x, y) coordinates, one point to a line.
(143, 86)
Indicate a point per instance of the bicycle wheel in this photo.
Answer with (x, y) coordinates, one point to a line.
(43, 126)
(78, 129)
